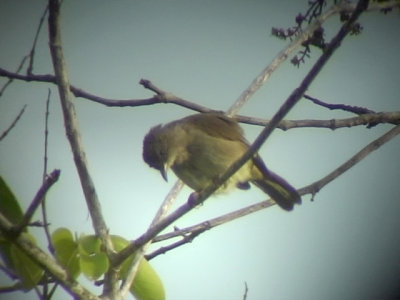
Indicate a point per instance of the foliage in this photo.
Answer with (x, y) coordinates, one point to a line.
(77, 255)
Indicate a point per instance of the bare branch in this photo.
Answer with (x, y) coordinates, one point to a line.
(43, 206)
(12, 125)
(185, 239)
(32, 52)
(289, 103)
(206, 225)
(10, 79)
(161, 98)
(246, 291)
(349, 108)
(374, 145)
(260, 80)
(74, 138)
(367, 119)
(312, 189)
(47, 183)
(167, 97)
(162, 211)
(71, 123)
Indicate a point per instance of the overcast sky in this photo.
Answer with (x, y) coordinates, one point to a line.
(343, 245)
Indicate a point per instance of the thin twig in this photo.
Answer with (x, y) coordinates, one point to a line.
(163, 98)
(208, 224)
(374, 145)
(246, 291)
(381, 118)
(289, 103)
(260, 80)
(47, 183)
(45, 158)
(32, 52)
(185, 239)
(349, 108)
(13, 123)
(10, 79)
(162, 211)
(312, 189)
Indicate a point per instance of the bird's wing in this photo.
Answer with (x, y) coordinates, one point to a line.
(216, 125)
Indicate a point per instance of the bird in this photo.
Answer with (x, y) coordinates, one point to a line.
(200, 147)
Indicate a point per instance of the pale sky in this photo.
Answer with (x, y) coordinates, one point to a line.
(344, 245)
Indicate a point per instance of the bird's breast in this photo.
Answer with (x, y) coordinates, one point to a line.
(205, 158)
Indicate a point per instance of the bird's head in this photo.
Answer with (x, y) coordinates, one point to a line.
(155, 150)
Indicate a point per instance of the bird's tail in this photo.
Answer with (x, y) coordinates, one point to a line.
(284, 194)
(280, 190)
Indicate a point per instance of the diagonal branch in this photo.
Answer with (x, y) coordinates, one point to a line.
(260, 80)
(10, 79)
(374, 145)
(71, 122)
(47, 183)
(312, 189)
(13, 123)
(74, 138)
(289, 103)
(139, 254)
(32, 52)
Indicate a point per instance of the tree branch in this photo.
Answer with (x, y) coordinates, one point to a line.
(13, 123)
(139, 254)
(48, 182)
(374, 145)
(366, 119)
(32, 52)
(289, 103)
(167, 97)
(10, 79)
(260, 80)
(296, 95)
(43, 206)
(349, 108)
(312, 189)
(73, 135)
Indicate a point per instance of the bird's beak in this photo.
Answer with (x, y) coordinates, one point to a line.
(163, 172)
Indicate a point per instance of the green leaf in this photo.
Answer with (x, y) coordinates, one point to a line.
(66, 248)
(26, 269)
(89, 244)
(9, 205)
(93, 262)
(147, 285)
(119, 242)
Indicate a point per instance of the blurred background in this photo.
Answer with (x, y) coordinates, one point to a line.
(343, 245)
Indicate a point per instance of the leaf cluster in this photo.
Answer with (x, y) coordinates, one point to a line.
(77, 255)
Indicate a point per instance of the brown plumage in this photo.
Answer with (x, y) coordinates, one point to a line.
(201, 147)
